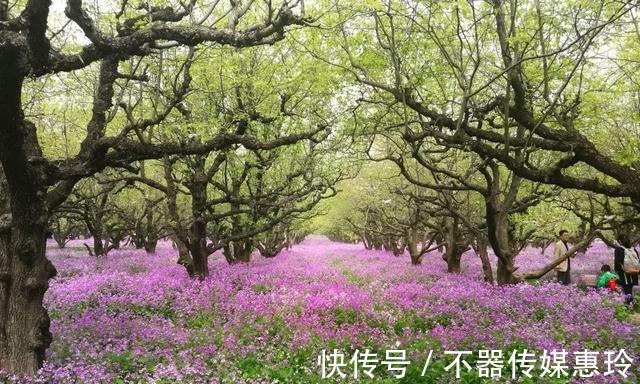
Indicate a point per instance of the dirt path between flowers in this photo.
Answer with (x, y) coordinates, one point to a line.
(635, 318)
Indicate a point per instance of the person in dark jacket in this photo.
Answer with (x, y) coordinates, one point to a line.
(627, 280)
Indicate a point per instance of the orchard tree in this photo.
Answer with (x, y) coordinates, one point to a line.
(32, 185)
(522, 83)
(64, 228)
(510, 82)
(240, 199)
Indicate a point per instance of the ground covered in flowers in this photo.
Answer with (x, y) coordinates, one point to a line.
(137, 318)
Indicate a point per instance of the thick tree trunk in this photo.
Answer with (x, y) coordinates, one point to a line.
(453, 257)
(238, 251)
(24, 269)
(184, 257)
(198, 236)
(270, 248)
(93, 221)
(115, 241)
(453, 249)
(498, 226)
(416, 257)
(98, 244)
(24, 275)
(505, 271)
(412, 246)
(180, 237)
(277, 239)
(150, 245)
(151, 239)
(200, 257)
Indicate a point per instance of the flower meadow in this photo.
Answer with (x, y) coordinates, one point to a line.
(137, 318)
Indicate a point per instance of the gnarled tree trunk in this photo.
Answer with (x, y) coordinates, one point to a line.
(412, 246)
(61, 239)
(24, 269)
(274, 242)
(238, 251)
(198, 234)
(184, 258)
(498, 226)
(481, 248)
(180, 237)
(453, 249)
(150, 245)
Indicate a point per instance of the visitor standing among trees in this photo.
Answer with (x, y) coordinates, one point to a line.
(626, 266)
(564, 268)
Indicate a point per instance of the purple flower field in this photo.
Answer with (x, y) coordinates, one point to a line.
(138, 318)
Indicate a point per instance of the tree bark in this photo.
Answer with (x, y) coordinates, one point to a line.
(275, 241)
(481, 249)
(499, 225)
(151, 231)
(24, 269)
(198, 234)
(180, 237)
(98, 245)
(150, 245)
(24, 275)
(237, 252)
(184, 258)
(453, 251)
(412, 246)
